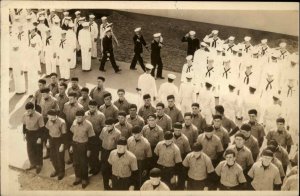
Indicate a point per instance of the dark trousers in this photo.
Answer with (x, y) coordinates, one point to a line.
(94, 157)
(34, 150)
(80, 160)
(157, 62)
(181, 179)
(112, 60)
(45, 138)
(195, 184)
(69, 142)
(226, 188)
(120, 183)
(166, 174)
(142, 166)
(57, 158)
(137, 58)
(105, 168)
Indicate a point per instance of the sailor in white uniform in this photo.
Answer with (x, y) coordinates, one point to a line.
(187, 68)
(94, 35)
(64, 55)
(187, 94)
(246, 46)
(84, 40)
(228, 47)
(50, 53)
(71, 36)
(168, 88)
(213, 40)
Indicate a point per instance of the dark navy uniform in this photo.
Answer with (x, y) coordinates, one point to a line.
(156, 59)
(138, 41)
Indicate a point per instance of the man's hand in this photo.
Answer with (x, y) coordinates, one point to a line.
(173, 180)
(39, 72)
(95, 39)
(71, 149)
(187, 35)
(54, 55)
(131, 188)
(144, 173)
(48, 144)
(88, 153)
(22, 72)
(69, 60)
(39, 141)
(108, 54)
(160, 45)
(75, 50)
(61, 148)
(154, 98)
(110, 183)
(90, 49)
(40, 53)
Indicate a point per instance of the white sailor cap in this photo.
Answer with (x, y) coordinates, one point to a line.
(71, 24)
(264, 41)
(171, 76)
(42, 12)
(20, 25)
(68, 18)
(77, 12)
(91, 16)
(156, 34)
(41, 18)
(107, 29)
(63, 32)
(276, 95)
(15, 43)
(203, 44)
(137, 29)
(294, 58)
(103, 18)
(214, 32)
(231, 38)
(66, 13)
(109, 24)
(249, 65)
(28, 17)
(81, 19)
(282, 45)
(52, 10)
(189, 75)
(17, 17)
(149, 66)
(226, 59)
(33, 41)
(192, 33)
(47, 29)
(189, 57)
(275, 53)
(85, 24)
(247, 38)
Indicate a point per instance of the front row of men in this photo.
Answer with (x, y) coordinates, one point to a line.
(170, 158)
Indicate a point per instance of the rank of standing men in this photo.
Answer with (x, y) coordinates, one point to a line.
(207, 133)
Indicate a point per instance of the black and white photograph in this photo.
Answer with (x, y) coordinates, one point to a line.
(180, 97)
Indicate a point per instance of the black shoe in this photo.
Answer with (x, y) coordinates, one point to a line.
(46, 156)
(47, 76)
(76, 182)
(60, 176)
(94, 172)
(30, 96)
(53, 174)
(69, 162)
(161, 77)
(30, 167)
(133, 68)
(38, 169)
(118, 70)
(84, 184)
(94, 57)
(103, 70)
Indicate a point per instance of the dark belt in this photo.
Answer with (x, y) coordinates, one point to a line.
(164, 167)
(78, 143)
(121, 178)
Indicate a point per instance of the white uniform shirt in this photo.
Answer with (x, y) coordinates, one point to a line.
(147, 85)
(84, 38)
(166, 89)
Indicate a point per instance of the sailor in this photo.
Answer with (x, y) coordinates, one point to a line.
(146, 83)
(71, 36)
(213, 40)
(167, 88)
(64, 56)
(156, 46)
(94, 35)
(193, 42)
(228, 47)
(246, 46)
(207, 100)
(85, 46)
(50, 53)
(139, 42)
(172, 110)
(188, 68)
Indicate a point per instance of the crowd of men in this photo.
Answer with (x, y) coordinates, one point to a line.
(206, 134)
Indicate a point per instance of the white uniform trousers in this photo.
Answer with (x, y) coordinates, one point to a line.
(86, 58)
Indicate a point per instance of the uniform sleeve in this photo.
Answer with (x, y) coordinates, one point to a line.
(133, 164)
(281, 171)
(143, 41)
(56, 106)
(41, 121)
(241, 177)
(178, 158)
(109, 160)
(206, 38)
(195, 135)
(23, 119)
(286, 185)
(72, 129)
(63, 128)
(180, 117)
(156, 150)
(218, 169)
(269, 136)
(250, 159)
(148, 150)
(161, 136)
(209, 165)
(186, 146)
(101, 136)
(169, 124)
(277, 179)
(226, 139)
(219, 146)
(255, 150)
(289, 140)
(90, 131)
(251, 172)
(185, 162)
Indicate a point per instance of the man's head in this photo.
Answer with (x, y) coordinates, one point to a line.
(177, 127)
(230, 156)
(122, 117)
(121, 94)
(195, 108)
(147, 99)
(252, 115)
(72, 97)
(93, 106)
(280, 122)
(121, 145)
(219, 109)
(100, 81)
(53, 77)
(136, 132)
(84, 92)
(29, 107)
(267, 157)
(155, 176)
(171, 101)
(107, 98)
(246, 130)
(151, 119)
(80, 116)
(188, 118)
(132, 110)
(45, 92)
(160, 109)
(41, 83)
(239, 140)
(62, 88)
(52, 115)
(208, 131)
(138, 31)
(168, 137)
(74, 82)
(217, 121)
(109, 123)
